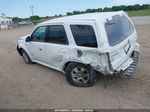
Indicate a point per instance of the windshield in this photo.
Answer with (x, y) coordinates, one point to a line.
(118, 29)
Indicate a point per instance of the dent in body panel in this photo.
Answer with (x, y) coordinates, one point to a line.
(91, 57)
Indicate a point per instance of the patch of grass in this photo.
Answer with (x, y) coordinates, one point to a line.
(139, 13)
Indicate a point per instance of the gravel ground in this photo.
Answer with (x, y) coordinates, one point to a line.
(35, 86)
(141, 20)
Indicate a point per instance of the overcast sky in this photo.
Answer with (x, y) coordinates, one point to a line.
(21, 8)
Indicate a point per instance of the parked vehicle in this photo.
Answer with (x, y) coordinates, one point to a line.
(82, 45)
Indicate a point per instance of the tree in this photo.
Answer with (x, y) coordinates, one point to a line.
(88, 11)
(60, 15)
(82, 12)
(34, 18)
(136, 7)
(145, 6)
(16, 20)
(76, 12)
(107, 9)
(47, 17)
(99, 10)
(114, 8)
(69, 13)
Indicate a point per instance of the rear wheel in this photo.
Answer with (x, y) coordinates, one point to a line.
(26, 58)
(80, 75)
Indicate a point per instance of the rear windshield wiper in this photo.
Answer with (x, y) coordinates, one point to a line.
(110, 22)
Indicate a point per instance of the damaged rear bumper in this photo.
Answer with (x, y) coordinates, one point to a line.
(128, 73)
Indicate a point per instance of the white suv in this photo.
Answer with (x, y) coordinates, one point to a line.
(82, 45)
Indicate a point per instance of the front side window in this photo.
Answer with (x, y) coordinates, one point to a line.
(84, 35)
(56, 34)
(39, 34)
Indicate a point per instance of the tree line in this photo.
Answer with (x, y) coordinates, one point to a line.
(114, 8)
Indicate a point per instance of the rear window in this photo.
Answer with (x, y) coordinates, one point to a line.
(118, 29)
(84, 35)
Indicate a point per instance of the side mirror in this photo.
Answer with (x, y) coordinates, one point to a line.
(28, 39)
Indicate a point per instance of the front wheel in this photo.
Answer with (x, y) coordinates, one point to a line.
(80, 75)
(26, 58)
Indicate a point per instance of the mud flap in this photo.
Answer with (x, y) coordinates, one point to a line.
(131, 69)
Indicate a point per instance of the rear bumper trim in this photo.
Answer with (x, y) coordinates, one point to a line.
(131, 69)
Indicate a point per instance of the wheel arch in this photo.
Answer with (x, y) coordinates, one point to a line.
(68, 62)
(19, 50)
(22, 47)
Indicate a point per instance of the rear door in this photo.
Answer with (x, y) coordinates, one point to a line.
(85, 38)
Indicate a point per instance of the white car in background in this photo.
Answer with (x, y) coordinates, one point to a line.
(82, 44)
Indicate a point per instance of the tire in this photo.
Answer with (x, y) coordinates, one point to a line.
(25, 57)
(80, 75)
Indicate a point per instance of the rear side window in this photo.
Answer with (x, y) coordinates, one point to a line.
(56, 34)
(84, 35)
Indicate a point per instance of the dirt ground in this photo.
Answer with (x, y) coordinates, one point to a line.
(35, 86)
